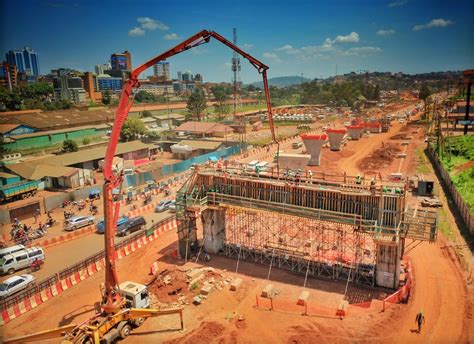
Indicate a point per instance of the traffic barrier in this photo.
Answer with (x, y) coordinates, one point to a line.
(46, 294)
(75, 278)
(66, 283)
(56, 289)
(32, 301)
(5, 318)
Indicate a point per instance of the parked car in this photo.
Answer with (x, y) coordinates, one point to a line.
(132, 225)
(76, 222)
(11, 249)
(15, 284)
(101, 226)
(297, 145)
(172, 207)
(20, 259)
(163, 205)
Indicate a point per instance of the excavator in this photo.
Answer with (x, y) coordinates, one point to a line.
(125, 306)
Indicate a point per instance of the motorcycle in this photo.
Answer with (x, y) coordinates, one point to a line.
(93, 210)
(50, 222)
(68, 214)
(36, 265)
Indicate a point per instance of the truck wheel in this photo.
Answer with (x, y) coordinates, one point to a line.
(124, 329)
(138, 322)
(127, 233)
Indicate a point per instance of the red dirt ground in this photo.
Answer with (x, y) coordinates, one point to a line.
(439, 290)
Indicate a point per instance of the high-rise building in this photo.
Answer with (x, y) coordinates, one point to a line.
(8, 75)
(187, 76)
(121, 61)
(25, 60)
(162, 70)
(198, 77)
(70, 88)
(180, 76)
(101, 68)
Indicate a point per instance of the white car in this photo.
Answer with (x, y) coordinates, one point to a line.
(76, 222)
(15, 284)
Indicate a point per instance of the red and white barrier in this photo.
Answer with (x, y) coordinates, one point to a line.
(47, 294)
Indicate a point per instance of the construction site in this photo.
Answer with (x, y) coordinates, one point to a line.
(317, 235)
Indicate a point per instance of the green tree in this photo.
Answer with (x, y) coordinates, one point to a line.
(221, 94)
(106, 98)
(196, 104)
(425, 92)
(69, 146)
(145, 97)
(132, 129)
(376, 95)
(146, 114)
(86, 140)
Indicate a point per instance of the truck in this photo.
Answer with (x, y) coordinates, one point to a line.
(14, 191)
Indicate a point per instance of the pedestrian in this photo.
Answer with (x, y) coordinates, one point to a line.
(310, 176)
(420, 319)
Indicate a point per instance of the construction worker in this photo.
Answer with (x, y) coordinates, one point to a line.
(310, 176)
(358, 179)
(420, 319)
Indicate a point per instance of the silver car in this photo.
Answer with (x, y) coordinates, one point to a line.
(15, 284)
(76, 222)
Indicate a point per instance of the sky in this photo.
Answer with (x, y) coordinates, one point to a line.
(313, 38)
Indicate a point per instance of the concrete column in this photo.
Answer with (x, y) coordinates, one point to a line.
(335, 138)
(214, 230)
(387, 270)
(313, 144)
(355, 131)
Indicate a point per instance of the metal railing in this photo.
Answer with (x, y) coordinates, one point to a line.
(50, 281)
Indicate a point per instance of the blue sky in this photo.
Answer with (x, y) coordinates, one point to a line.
(291, 37)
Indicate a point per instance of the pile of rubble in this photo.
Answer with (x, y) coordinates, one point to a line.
(174, 287)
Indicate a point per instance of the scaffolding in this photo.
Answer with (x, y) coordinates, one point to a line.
(332, 231)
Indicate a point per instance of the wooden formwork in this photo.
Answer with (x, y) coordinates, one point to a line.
(385, 208)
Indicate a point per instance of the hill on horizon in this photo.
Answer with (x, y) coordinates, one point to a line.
(282, 81)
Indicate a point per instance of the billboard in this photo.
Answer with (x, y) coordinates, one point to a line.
(119, 62)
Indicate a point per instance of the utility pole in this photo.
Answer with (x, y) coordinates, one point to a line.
(468, 76)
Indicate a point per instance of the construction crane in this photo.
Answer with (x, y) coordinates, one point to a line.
(118, 314)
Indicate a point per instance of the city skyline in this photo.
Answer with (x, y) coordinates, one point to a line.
(309, 39)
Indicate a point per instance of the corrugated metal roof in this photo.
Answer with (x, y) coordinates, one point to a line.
(28, 169)
(199, 144)
(6, 127)
(58, 131)
(203, 127)
(36, 172)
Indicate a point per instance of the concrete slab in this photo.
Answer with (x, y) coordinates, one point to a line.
(206, 289)
(293, 161)
(303, 298)
(268, 291)
(235, 284)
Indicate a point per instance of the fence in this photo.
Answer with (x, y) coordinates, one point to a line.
(462, 207)
(49, 284)
(186, 164)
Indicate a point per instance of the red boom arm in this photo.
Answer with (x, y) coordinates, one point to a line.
(112, 300)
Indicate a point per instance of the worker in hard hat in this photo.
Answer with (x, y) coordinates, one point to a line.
(420, 319)
(358, 179)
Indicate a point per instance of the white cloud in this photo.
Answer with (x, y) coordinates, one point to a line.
(353, 37)
(397, 3)
(272, 56)
(440, 22)
(171, 37)
(247, 46)
(199, 51)
(136, 31)
(386, 32)
(288, 49)
(361, 51)
(148, 23)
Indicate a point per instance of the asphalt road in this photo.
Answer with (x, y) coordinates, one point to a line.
(69, 253)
